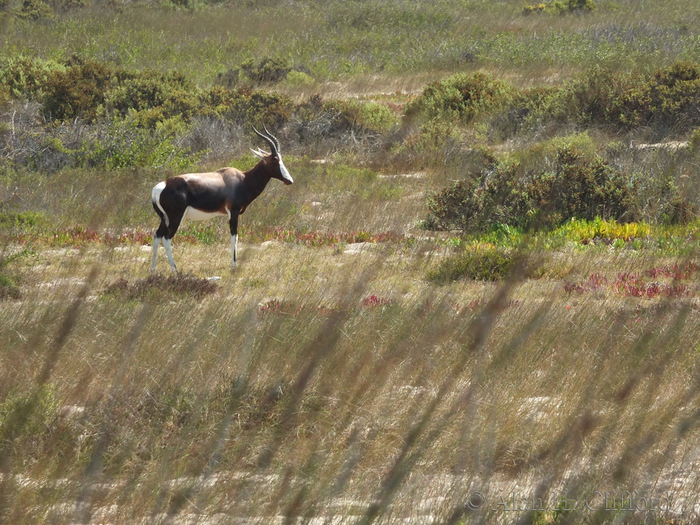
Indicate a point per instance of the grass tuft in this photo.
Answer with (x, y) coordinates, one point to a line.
(160, 287)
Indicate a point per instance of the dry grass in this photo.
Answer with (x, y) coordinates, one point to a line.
(316, 383)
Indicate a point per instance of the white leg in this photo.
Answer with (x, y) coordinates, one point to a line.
(234, 249)
(167, 244)
(154, 253)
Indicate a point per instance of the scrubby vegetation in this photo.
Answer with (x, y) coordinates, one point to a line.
(573, 185)
(477, 303)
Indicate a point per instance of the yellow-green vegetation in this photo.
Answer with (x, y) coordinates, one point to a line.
(479, 302)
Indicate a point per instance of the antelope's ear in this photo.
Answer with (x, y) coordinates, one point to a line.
(259, 153)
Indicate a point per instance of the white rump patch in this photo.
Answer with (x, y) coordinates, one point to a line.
(155, 197)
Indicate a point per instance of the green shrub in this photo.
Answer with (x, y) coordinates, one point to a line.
(24, 77)
(493, 196)
(461, 97)
(170, 93)
(435, 142)
(513, 117)
(560, 7)
(361, 116)
(77, 91)
(675, 95)
(21, 221)
(88, 90)
(8, 283)
(582, 188)
(578, 186)
(247, 106)
(667, 101)
(267, 70)
(35, 10)
(299, 78)
(123, 143)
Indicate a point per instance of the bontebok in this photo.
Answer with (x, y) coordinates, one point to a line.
(227, 191)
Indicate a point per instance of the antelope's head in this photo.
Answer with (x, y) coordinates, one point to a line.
(273, 160)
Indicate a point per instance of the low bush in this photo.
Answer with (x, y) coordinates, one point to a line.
(25, 77)
(268, 70)
(123, 143)
(361, 116)
(461, 97)
(665, 102)
(34, 10)
(609, 231)
(76, 91)
(21, 220)
(9, 288)
(560, 7)
(576, 186)
(163, 94)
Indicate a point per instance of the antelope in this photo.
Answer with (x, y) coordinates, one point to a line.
(199, 196)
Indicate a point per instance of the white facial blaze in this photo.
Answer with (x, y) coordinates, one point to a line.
(285, 174)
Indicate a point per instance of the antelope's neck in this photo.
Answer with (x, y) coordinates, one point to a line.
(255, 179)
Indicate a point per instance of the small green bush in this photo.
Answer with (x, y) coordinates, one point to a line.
(22, 220)
(246, 106)
(461, 97)
(25, 77)
(35, 10)
(582, 188)
(560, 7)
(8, 284)
(77, 91)
(675, 95)
(168, 94)
(496, 195)
(433, 142)
(299, 78)
(88, 90)
(267, 70)
(361, 116)
(123, 143)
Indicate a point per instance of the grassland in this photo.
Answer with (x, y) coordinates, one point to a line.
(357, 366)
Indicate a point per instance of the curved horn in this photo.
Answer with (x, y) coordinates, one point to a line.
(269, 140)
(277, 142)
